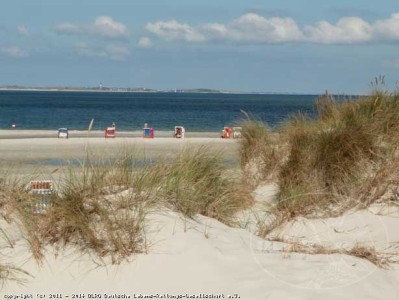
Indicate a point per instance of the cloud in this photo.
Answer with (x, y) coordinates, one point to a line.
(112, 52)
(247, 28)
(387, 29)
(145, 42)
(354, 30)
(173, 30)
(104, 27)
(22, 30)
(347, 30)
(13, 52)
(254, 28)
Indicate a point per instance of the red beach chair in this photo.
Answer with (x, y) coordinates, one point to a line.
(110, 132)
(226, 132)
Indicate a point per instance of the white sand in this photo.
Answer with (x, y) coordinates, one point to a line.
(205, 256)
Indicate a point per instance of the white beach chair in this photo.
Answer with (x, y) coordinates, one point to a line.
(44, 189)
(179, 132)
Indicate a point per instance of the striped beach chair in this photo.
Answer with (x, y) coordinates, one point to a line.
(44, 189)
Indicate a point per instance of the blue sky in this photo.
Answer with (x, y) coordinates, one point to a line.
(295, 46)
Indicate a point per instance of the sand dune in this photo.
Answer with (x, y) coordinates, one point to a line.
(202, 256)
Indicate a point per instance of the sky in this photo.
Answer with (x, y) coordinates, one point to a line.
(280, 46)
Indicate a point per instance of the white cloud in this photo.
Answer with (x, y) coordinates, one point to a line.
(13, 52)
(214, 31)
(173, 30)
(113, 52)
(351, 30)
(103, 26)
(253, 28)
(247, 28)
(347, 30)
(387, 29)
(145, 42)
(22, 30)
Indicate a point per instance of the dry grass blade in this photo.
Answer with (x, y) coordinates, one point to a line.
(378, 258)
(11, 273)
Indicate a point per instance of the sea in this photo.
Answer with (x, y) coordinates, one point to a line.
(202, 112)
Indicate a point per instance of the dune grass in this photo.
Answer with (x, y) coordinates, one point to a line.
(100, 207)
(261, 152)
(346, 157)
(344, 152)
(196, 183)
(88, 210)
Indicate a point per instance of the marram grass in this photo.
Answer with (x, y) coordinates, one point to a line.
(346, 157)
(101, 205)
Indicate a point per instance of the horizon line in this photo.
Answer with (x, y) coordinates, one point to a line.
(156, 90)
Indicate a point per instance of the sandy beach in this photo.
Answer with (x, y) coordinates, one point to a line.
(199, 257)
(43, 146)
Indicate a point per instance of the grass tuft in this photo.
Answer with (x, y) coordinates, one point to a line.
(260, 153)
(101, 206)
(345, 157)
(196, 183)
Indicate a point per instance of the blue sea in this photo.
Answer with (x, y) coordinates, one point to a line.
(129, 111)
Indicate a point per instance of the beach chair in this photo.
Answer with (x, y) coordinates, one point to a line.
(110, 132)
(63, 133)
(226, 132)
(44, 189)
(148, 133)
(179, 132)
(237, 132)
